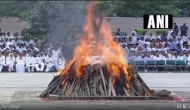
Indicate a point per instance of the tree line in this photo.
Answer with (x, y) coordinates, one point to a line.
(46, 16)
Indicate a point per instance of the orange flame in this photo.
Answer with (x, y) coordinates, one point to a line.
(105, 47)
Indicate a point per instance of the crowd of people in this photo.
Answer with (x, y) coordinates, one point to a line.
(18, 55)
(166, 46)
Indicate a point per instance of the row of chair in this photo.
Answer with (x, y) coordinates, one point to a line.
(159, 65)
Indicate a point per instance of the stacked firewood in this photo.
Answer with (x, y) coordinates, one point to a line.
(96, 81)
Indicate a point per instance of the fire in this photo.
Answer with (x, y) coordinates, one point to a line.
(101, 43)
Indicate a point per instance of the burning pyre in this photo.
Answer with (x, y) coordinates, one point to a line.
(98, 67)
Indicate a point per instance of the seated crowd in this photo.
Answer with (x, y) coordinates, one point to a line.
(167, 46)
(18, 55)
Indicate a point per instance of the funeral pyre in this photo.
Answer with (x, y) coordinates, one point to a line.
(98, 67)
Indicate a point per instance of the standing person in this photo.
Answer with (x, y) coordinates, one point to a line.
(173, 45)
(184, 29)
(175, 29)
(49, 61)
(119, 32)
(2, 61)
(30, 63)
(20, 64)
(60, 63)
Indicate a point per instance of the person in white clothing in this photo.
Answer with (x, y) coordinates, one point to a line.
(2, 62)
(151, 37)
(157, 57)
(184, 39)
(30, 63)
(49, 61)
(186, 57)
(56, 52)
(20, 64)
(10, 61)
(39, 62)
(175, 57)
(148, 58)
(179, 41)
(181, 56)
(60, 62)
(138, 57)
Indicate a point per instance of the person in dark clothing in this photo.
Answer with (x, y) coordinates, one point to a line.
(179, 49)
(184, 29)
(164, 37)
(175, 29)
(119, 32)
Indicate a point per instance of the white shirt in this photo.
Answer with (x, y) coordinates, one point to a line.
(140, 42)
(2, 60)
(126, 49)
(186, 49)
(180, 58)
(2, 49)
(134, 38)
(147, 49)
(184, 39)
(180, 42)
(186, 58)
(39, 60)
(151, 37)
(159, 37)
(156, 58)
(174, 58)
(10, 60)
(147, 59)
(30, 60)
(134, 32)
(138, 58)
(21, 61)
(49, 60)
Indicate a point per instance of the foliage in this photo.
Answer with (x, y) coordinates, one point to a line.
(138, 8)
(184, 6)
(141, 31)
(160, 31)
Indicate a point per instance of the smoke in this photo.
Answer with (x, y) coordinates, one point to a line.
(68, 21)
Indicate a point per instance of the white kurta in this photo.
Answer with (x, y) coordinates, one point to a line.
(60, 64)
(20, 65)
(10, 62)
(39, 64)
(49, 61)
(2, 62)
(157, 58)
(30, 62)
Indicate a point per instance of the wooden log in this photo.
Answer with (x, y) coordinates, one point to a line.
(77, 88)
(113, 91)
(65, 87)
(50, 86)
(94, 85)
(101, 90)
(70, 89)
(110, 86)
(88, 90)
(143, 83)
(126, 92)
(103, 78)
(146, 91)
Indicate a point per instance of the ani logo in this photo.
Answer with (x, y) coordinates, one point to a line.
(158, 22)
